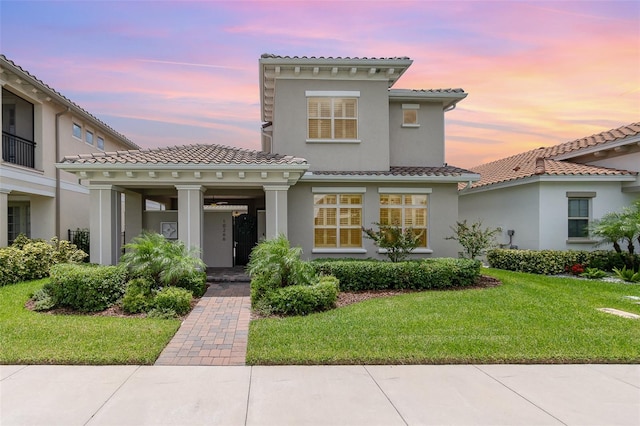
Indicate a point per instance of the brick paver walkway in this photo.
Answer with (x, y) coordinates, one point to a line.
(216, 330)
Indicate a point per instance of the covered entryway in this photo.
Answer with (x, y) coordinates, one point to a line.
(180, 192)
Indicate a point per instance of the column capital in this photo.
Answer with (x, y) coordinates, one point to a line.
(190, 188)
(276, 187)
(5, 191)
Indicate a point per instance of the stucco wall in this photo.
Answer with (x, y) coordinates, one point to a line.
(290, 126)
(630, 161)
(516, 208)
(417, 146)
(442, 212)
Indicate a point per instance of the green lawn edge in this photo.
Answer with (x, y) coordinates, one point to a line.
(528, 319)
(28, 337)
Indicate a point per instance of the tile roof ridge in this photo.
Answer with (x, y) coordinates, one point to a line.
(504, 159)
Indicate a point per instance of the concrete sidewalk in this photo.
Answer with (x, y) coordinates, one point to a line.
(321, 395)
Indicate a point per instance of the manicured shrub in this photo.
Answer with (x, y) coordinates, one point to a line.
(195, 282)
(553, 262)
(274, 264)
(86, 288)
(31, 259)
(43, 301)
(173, 299)
(138, 296)
(418, 274)
(593, 273)
(304, 299)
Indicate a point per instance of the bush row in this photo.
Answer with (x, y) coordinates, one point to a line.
(420, 274)
(169, 301)
(29, 259)
(553, 262)
(303, 299)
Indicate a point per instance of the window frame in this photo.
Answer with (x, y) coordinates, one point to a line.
(410, 108)
(75, 126)
(579, 196)
(338, 191)
(404, 192)
(89, 137)
(100, 143)
(333, 96)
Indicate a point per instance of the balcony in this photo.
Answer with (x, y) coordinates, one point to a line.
(17, 150)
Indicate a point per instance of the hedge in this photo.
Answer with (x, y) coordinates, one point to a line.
(553, 262)
(86, 288)
(303, 299)
(27, 259)
(365, 275)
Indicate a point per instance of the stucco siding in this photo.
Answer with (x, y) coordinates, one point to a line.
(629, 161)
(290, 126)
(417, 146)
(514, 208)
(442, 213)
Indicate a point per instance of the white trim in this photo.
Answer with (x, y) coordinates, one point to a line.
(333, 140)
(552, 178)
(332, 93)
(383, 190)
(411, 126)
(310, 177)
(410, 106)
(339, 250)
(275, 187)
(338, 189)
(27, 190)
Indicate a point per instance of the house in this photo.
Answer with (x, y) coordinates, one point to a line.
(547, 197)
(40, 126)
(358, 151)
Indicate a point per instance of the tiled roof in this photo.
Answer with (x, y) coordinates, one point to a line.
(402, 171)
(273, 56)
(186, 154)
(456, 90)
(67, 100)
(541, 161)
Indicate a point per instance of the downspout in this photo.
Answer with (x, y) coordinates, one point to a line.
(450, 108)
(57, 158)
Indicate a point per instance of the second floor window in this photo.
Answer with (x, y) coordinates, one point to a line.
(100, 143)
(332, 118)
(77, 131)
(89, 137)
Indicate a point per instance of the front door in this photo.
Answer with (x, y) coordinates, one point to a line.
(245, 236)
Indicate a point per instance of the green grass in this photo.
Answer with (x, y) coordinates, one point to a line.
(28, 337)
(528, 319)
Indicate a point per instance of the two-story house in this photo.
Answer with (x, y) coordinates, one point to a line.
(359, 152)
(546, 198)
(40, 126)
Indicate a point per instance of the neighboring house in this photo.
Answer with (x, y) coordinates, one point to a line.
(549, 196)
(359, 151)
(40, 126)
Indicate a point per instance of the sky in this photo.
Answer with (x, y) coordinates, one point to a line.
(165, 73)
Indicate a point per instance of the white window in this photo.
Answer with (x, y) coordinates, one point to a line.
(332, 116)
(578, 217)
(337, 220)
(77, 131)
(410, 115)
(100, 142)
(407, 211)
(89, 137)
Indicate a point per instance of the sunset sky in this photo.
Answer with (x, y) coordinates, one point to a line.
(173, 72)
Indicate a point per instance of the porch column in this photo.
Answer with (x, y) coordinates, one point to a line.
(276, 210)
(133, 208)
(105, 224)
(190, 215)
(4, 217)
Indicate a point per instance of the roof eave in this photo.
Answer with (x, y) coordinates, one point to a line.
(463, 177)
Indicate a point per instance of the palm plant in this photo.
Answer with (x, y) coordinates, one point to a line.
(277, 262)
(165, 262)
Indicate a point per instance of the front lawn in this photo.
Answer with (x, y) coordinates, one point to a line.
(528, 319)
(28, 337)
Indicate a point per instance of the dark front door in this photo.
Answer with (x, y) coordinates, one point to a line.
(245, 236)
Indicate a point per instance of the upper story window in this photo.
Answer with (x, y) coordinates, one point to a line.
(89, 137)
(77, 131)
(410, 115)
(332, 116)
(406, 209)
(100, 142)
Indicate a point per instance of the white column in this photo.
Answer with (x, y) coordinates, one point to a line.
(4, 217)
(276, 210)
(190, 215)
(105, 224)
(133, 208)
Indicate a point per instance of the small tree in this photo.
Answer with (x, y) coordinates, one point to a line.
(619, 229)
(398, 243)
(474, 240)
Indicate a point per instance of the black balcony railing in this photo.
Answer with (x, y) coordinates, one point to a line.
(18, 150)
